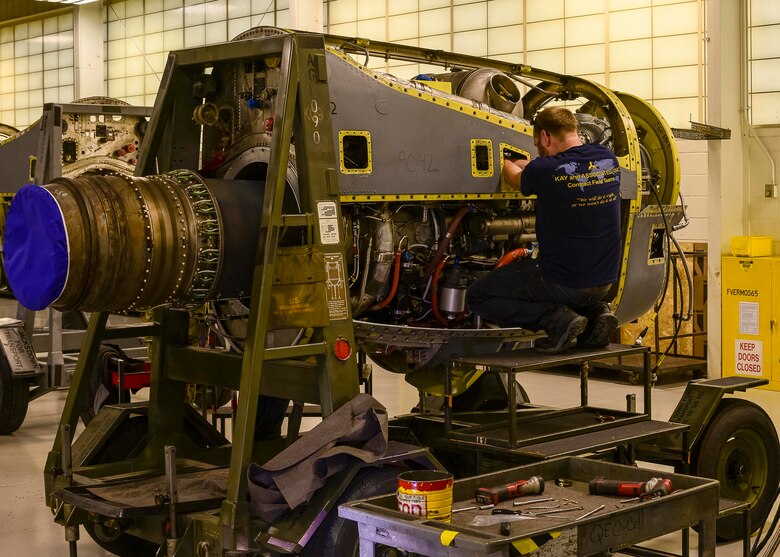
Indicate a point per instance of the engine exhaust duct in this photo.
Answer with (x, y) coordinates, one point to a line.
(117, 243)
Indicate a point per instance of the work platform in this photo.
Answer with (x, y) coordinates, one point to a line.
(611, 526)
(526, 433)
(518, 361)
(672, 368)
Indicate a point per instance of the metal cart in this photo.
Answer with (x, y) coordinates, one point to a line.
(614, 526)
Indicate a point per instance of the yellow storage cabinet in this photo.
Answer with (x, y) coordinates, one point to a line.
(751, 309)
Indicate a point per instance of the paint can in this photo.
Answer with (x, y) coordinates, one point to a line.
(426, 493)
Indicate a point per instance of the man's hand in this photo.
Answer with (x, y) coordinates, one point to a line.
(512, 170)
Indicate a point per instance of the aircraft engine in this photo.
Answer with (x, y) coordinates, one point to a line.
(415, 166)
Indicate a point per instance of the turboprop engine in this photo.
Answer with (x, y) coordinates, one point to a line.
(422, 209)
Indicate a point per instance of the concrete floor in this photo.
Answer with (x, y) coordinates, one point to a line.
(27, 528)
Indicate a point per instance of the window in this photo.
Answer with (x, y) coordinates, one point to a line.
(140, 33)
(36, 67)
(763, 54)
(651, 48)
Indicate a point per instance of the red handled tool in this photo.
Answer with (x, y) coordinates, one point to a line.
(494, 495)
(654, 487)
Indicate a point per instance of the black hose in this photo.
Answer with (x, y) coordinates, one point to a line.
(677, 318)
(670, 236)
(759, 545)
(677, 327)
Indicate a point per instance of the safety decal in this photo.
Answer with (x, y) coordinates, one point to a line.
(329, 223)
(526, 546)
(336, 286)
(447, 536)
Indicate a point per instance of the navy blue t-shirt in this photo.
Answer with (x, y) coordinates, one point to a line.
(577, 215)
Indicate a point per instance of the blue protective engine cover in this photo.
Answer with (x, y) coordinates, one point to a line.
(36, 248)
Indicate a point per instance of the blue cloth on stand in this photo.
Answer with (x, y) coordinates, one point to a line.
(36, 248)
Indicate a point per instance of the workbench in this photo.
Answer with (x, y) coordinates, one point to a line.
(617, 525)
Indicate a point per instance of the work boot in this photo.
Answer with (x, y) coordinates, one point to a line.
(602, 323)
(562, 334)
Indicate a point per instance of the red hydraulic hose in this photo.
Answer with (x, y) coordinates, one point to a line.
(444, 243)
(512, 255)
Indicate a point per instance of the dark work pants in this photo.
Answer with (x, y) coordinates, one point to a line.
(517, 295)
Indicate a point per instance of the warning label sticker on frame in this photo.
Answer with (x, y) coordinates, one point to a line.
(749, 357)
(336, 287)
(329, 223)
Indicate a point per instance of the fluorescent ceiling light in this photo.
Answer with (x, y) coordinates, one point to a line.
(68, 1)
